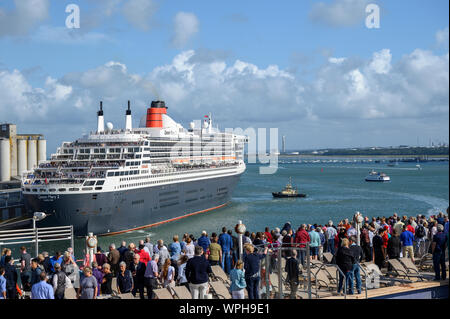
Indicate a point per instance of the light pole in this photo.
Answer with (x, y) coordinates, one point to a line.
(240, 229)
(37, 216)
(358, 219)
(91, 243)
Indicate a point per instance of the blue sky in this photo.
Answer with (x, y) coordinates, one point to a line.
(225, 51)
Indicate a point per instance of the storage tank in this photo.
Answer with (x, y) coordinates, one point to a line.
(32, 154)
(42, 150)
(21, 156)
(5, 164)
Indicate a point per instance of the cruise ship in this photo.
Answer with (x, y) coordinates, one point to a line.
(116, 180)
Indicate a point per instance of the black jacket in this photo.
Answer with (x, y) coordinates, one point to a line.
(140, 271)
(357, 253)
(197, 270)
(292, 269)
(345, 259)
(10, 276)
(394, 247)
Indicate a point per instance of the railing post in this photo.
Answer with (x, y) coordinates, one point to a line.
(267, 275)
(280, 282)
(71, 239)
(308, 267)
(36, 238)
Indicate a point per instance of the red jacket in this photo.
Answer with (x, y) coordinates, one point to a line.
(302, 237)
(145, 257)
(411, 229)
(269, 237)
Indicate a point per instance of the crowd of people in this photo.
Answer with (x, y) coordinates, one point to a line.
(146, 266)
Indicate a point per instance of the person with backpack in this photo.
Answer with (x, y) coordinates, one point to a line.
(420, 238)
(60, 282)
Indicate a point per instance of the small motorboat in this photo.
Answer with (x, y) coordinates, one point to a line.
(288, 191)
(377, 177)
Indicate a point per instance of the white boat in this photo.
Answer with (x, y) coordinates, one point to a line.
(377, 177)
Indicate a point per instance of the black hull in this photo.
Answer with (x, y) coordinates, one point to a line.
(108, 213)
(278, 195)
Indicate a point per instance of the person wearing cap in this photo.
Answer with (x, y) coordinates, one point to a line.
(438, 250)
(60, 282)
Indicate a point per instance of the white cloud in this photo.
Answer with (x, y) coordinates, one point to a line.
(25, 16)
(339, 13)
(186, 25)
(381, 61)
(416, 87)
(139, 13)
(442, 37)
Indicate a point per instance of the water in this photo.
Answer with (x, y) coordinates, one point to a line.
(335, 191)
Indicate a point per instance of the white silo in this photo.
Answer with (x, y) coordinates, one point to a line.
(32, 154)
(5, 157)
(21, 156)
(42, 150)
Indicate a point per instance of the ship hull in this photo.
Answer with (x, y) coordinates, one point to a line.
(107, 213)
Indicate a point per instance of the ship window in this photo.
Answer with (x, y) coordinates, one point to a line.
(35, 190)
(98, 188)
(42, 190)
(117, 150)
(61, 189)
(100, 182)
(74, 189)
(130, 150)
(96, 150)
(136, 149)
(127, 173)
(89, 183)
(116, 173)
(51, 190)
(102, 150)
(86, 189)
(111, 174)
(122, 173)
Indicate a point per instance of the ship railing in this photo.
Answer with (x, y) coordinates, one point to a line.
(36, 235)
(314, 274)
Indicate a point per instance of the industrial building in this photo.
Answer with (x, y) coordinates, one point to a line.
(19, 152)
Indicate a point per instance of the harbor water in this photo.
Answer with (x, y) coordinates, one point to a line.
(335, 190)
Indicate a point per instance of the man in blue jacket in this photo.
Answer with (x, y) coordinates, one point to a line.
(197, 270)
(204, 241)
(226, 242)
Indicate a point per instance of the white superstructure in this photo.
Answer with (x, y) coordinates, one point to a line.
(133, 158)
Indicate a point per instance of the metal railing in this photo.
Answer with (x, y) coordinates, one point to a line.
(36, 236)
(309, 281)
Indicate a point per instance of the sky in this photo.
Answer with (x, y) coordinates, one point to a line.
(312, 69)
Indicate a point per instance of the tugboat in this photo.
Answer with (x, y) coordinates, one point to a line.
(377, 177)
(288, 191)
